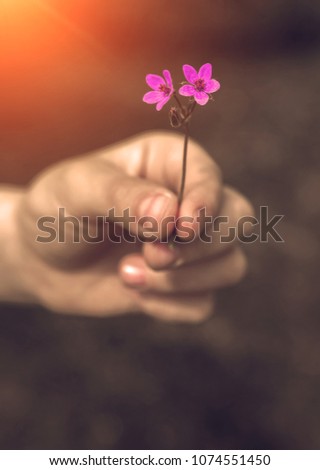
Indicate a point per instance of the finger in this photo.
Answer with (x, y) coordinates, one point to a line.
(219, 236)
(158, 156)
(191, 309)
(201, 277)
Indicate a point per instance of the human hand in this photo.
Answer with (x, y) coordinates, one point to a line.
(174, 281)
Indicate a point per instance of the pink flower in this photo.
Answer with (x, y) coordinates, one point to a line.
(162, 89)
(201, 83)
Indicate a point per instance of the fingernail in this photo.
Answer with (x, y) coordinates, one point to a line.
(133, 275)
(167, 252)
(155, 206)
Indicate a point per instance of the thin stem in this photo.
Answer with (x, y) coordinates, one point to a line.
(184, 163)
(179, 103)
(192, 108)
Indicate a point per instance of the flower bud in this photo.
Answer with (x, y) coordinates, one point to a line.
(175, 117)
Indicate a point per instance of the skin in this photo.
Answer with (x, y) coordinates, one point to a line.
(173, 282)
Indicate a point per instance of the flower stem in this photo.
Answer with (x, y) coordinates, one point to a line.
(184, 163)
(179, 103)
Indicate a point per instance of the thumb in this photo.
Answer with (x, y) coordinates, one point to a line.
(141, 206)
(97, 187)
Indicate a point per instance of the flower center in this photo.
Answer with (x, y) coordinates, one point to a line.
(164, 89)
(200, 84)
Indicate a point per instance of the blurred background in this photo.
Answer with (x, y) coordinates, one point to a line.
(72, 79)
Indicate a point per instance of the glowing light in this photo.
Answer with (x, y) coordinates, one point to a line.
(20, 16)
(14, 4)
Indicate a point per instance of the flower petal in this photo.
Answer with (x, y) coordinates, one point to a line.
(205, 72)
(212, 86)
(162, 102)
(168, 79)
(152, 97)
(201, 97)
(154, 81)
(190, 73)
(187, 90)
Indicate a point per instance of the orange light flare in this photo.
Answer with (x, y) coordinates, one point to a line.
(38, 39)
(58, 53)
(34, 31)
(37, 34)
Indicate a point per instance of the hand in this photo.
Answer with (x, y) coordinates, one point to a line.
(171, 281)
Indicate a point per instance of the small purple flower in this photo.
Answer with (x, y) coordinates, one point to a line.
(162, 87)
(201, 83)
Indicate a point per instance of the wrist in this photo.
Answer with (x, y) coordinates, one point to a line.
(13, 262)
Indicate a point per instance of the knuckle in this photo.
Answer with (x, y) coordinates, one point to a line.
(116, 190)
(170, 140)
(71, 171)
